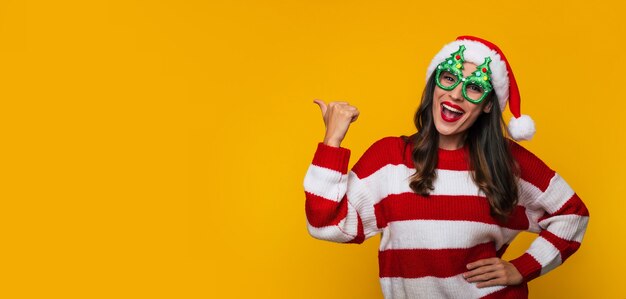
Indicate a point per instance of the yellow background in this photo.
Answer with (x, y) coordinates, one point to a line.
(157, 149)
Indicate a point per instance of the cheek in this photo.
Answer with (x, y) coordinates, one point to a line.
(474, 116)
(437, 93)
(478, 109)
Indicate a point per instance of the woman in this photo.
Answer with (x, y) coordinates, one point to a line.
(449, 199)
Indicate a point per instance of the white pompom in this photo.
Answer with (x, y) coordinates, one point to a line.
(522, 128)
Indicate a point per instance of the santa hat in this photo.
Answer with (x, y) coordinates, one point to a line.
(521, 127)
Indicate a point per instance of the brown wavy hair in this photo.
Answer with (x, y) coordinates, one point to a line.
(494, 170)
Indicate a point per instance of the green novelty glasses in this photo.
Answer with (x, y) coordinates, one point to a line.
(475, 86)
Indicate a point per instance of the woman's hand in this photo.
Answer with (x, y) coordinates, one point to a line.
(492, 272)
(337, 118)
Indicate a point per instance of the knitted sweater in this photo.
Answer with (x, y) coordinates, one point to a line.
(426, 242)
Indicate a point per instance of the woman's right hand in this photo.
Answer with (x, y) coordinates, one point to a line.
(337, 118)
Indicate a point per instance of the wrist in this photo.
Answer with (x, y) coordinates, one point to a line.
(332, 142)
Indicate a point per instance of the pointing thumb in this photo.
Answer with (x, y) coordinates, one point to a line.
(322, 106)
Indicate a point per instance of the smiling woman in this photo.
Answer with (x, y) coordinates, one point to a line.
(449, 199)
(455, 106)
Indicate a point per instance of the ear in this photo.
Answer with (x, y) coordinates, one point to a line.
(487, 107)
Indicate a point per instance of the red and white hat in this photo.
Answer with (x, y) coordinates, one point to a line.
(521, 127)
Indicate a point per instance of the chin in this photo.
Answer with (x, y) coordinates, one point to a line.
(448, 130)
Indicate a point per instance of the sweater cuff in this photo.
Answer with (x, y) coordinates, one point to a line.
(527, 266)
(335, 158)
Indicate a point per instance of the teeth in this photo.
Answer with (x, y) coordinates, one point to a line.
(451, 109)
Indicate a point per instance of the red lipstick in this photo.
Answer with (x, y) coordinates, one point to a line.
(453, 114)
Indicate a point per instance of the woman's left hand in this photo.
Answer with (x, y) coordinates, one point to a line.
(492, 272)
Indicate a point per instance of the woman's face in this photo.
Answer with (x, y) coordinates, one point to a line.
(452, 113)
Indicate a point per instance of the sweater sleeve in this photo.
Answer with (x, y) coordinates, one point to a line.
(340, 203)
(554, 211)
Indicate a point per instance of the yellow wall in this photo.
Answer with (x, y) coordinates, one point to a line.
(156, 149)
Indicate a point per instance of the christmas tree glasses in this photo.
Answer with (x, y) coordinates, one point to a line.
(475, 86)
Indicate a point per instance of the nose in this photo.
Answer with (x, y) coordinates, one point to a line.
(456, 93)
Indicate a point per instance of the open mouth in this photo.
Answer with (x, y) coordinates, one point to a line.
(451, 112)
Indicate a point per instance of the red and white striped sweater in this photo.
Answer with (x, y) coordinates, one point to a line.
(426, 242)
